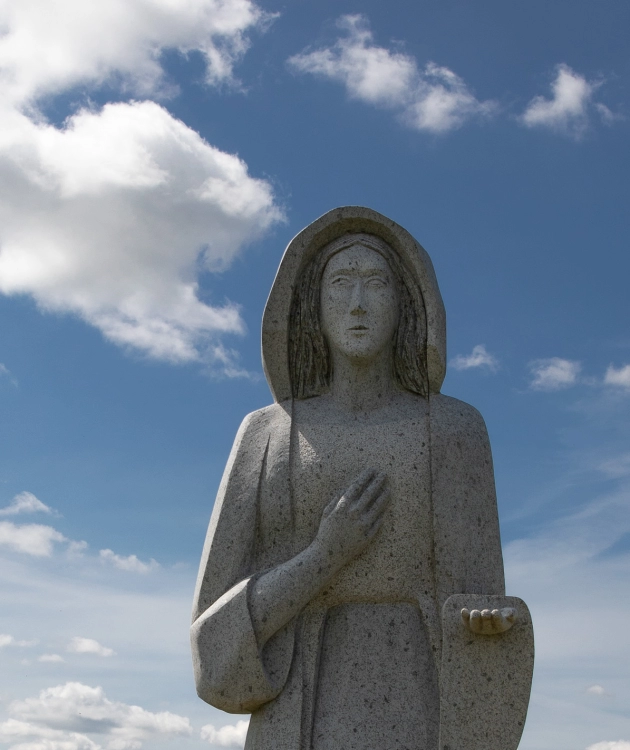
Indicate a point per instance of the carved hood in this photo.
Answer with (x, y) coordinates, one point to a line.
(330, 226)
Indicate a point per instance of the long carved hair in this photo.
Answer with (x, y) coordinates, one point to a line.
(310, 364)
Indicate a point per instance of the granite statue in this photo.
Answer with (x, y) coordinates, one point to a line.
(351, 589)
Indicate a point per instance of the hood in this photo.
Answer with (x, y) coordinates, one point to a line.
(330, 226)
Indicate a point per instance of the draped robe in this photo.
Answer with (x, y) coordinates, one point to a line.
(253, 529)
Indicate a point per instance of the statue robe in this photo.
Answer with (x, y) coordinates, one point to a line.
(252, 530)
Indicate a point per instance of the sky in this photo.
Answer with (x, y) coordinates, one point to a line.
(156, 157)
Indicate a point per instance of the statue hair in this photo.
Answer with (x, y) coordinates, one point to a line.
(310, 363)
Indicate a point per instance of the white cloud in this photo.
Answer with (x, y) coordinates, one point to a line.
(68, 713)
(596, 690)
(50, 658)
(568, 109)
(618, 745)
(32, 539)
(230, 735)
(80, 645)
(433, 99)
(9, 640)
(47, 48)
(130, 563)
(113, 218)
(25, 502)
(479, 357)
(554, 373)
(114, 215)
(618, 377)
(43, 738)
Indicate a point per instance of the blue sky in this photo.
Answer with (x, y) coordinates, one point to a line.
(155, 159)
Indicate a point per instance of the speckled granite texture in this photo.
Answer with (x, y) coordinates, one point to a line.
(356, 519)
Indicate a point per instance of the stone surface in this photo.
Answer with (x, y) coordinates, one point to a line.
(485, 679)
(350, 513)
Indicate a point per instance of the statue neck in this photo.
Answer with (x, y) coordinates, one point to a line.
(359, 386)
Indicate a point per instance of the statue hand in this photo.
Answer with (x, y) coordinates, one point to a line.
(349, 523)
(489, 622)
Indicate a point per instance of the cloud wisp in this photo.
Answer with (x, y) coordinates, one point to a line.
(554, 373)
(129, 563)
(33, 539)
(9, 640)
(618, 377)
(432, 99)
(6, 373)
(480, 357)
(25, 502)
(79, 645)
(569, 109)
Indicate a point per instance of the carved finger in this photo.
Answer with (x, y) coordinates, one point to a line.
(497, 620)
(376, 525)
(465, 616)
(475, 623)
(510, 614)
(330, 507)
(378, 506)
(370, 493)
(358, 485)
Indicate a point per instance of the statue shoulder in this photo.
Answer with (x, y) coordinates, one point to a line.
(454, 417)
(265, 420)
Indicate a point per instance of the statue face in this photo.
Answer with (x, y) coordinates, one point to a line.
(359, 303)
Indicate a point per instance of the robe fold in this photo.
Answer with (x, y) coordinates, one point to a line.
(252, 530)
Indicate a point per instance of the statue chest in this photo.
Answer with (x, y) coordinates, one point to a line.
(326, 458)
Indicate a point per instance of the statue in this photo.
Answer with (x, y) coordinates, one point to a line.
(351, 590)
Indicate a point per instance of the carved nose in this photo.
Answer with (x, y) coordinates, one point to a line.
(357, 301)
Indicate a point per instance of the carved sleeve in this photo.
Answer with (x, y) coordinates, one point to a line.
(230, 671)
(467, 542)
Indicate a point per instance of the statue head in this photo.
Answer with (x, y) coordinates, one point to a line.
(357, 297)
(294, 349)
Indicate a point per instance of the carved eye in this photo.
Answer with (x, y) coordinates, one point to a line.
(376, 282)
(341, 281)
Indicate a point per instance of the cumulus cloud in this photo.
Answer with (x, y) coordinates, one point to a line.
(113, 218)
(32, 539)
(62, 717)
(618, 377)
(25, 502)
(432, 99)
(114, 215)
(479, 357)
(80, 645)
(230, 735)
(130, 563)
(48, 47)
(570, 106)
(554, 373)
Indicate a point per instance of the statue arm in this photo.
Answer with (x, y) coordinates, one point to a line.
(230, 672)
(467, 538)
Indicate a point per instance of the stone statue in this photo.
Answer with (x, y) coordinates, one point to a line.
(351, 590)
